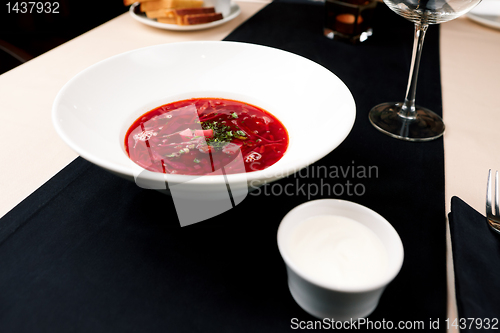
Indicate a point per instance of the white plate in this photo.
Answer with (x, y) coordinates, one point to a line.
(486, 13)
(93, 111)
(234, 11)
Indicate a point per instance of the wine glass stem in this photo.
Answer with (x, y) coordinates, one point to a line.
(408, 108)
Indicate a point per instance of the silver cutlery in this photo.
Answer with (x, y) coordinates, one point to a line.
(493, 217)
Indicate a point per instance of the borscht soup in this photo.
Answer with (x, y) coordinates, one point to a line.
(201, 135)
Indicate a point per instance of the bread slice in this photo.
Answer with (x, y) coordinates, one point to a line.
(198, 18)
(152, 14)
(174, 13)
(129, 2)
(168, 20)
(160, 4)
(189, 11)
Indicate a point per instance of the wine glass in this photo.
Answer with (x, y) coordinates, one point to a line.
(406, 120)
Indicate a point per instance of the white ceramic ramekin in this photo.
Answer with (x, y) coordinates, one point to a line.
(324, 300)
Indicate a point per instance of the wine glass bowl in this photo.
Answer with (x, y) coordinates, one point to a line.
(405, 120)
(422, 12)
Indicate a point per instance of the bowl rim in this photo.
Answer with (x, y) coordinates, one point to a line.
(268, 173)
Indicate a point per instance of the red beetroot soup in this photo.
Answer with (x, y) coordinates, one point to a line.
(200, 135)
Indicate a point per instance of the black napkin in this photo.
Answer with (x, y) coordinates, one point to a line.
(90, 252)
(476, 259)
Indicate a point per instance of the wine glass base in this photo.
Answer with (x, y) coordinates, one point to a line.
(425, 126)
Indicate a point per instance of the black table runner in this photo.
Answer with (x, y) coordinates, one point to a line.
(90, 252)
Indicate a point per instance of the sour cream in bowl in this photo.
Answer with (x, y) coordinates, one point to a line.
(339, 256)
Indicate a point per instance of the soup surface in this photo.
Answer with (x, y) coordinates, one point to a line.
(201, 135)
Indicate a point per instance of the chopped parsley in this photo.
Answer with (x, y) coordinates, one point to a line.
(222, 134)
(196, 160)
(234, 115)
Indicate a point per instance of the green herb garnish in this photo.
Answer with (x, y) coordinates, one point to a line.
(234, 115)
(222, 134)
(196, 160)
